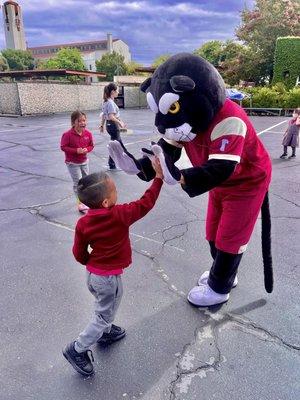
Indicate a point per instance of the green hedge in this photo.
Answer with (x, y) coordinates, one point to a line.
(287, 61)
(276, 96)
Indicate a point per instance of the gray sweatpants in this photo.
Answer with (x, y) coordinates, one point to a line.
(77, 171)
(108, 291)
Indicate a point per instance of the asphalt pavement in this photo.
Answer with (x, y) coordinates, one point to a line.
(247, 349)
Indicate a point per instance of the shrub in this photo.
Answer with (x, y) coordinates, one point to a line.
(276, 96)
(287, 60)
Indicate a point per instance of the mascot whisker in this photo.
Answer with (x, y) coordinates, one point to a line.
(229, 161)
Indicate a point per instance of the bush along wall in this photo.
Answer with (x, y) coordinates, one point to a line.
(276, 96)
(287, 61)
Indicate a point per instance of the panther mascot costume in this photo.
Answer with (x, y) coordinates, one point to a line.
(188, 97)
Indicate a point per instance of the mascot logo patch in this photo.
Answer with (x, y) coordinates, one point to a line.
(223, 144)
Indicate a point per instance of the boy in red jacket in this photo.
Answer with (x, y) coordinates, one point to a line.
(76, 143)
(105, 229)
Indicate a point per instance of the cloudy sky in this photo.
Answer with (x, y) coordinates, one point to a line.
(150, 28)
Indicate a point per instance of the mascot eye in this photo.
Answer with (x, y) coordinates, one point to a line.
(175, 107)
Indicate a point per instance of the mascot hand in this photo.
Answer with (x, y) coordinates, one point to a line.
(123, 159)
(171, 173)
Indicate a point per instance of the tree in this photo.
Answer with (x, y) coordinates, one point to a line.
(211, 51)
(228, 57)
(65, 59)
(3, 63)
(18, 59)
(232, 59)
(161, 59)
(111, 64)
(261, 26)
(131, 67)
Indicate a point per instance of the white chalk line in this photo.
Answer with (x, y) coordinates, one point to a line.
(59, 225)
(271, 127)
(156, 241)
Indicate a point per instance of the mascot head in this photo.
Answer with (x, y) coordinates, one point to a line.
(185, 92)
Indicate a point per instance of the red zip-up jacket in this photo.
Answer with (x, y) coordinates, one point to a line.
(71, 141)
(106, 231)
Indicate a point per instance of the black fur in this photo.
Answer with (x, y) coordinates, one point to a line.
(201, 89)
(266, 244)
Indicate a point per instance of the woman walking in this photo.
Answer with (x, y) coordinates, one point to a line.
(111, 114)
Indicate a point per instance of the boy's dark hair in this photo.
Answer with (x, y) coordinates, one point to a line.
(76, 115)
(93, 189)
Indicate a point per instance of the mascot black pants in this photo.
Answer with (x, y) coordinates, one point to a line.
(223, 270)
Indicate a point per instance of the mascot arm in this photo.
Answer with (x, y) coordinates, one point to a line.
(128, 163)
(174, 152)
(198, 180)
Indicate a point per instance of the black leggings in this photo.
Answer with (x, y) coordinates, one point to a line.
(293, 150)
(114, 133)
(223, 270)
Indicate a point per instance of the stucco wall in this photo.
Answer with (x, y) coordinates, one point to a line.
(37, 98)
(9, 99)
(133, 97)
(25, 98)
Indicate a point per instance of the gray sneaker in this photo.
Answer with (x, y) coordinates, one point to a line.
(116, 333)
(81, 362)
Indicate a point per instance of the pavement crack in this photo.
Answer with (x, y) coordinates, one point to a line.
(283, 198)
(9, 147)
(185, 225)
(190, 364)
(32, 174)
(161, 273)
(34, 209)
(260, 332)
(20, 144)
(186, 370)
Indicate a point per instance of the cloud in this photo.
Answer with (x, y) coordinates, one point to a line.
(150, 28)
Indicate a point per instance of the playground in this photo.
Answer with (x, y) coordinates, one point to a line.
(246, 349)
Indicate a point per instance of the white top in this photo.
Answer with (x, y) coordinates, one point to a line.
(110, 107)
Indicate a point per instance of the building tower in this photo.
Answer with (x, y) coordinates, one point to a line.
(13, 26)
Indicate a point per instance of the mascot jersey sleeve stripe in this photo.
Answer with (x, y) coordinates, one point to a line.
(231, 137)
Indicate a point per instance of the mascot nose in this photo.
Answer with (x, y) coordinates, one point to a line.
(161, 129)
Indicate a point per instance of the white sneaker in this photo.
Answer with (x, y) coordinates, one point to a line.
(204, 296)
(203, 279)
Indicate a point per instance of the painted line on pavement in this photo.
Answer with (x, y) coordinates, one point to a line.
(271, 127)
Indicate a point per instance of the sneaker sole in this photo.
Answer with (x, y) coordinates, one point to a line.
(110, 341)
(212, 305)
(65, 354)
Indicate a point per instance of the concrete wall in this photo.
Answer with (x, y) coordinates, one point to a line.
(25, 98)
(133, 97)
(39, 98)
(9, 99)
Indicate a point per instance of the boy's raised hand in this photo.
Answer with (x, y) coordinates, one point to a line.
(157, 167)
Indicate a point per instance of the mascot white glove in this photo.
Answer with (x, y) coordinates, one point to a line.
(122, 158)
(171, 173)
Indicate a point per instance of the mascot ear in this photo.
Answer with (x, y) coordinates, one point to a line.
(144, 86)
(182, 83)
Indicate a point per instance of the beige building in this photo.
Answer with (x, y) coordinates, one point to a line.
(13, 26)
(90, 51)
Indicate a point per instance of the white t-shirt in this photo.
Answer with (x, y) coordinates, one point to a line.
(110, 107)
